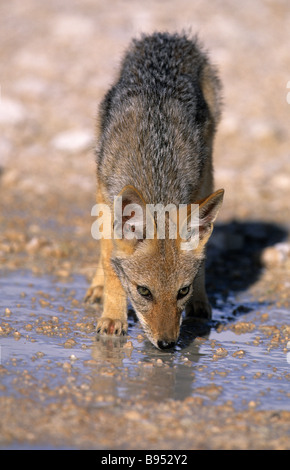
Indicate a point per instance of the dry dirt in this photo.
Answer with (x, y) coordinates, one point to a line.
(57, 60)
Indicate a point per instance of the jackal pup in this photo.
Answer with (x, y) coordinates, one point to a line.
(156, 130)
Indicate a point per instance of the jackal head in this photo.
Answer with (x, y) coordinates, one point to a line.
(158, 273)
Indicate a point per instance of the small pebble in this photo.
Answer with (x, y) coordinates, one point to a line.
(222, 352)
(239, 353)
(252, 404)
(70, 343)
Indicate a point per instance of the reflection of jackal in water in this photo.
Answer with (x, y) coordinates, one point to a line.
(156, 129)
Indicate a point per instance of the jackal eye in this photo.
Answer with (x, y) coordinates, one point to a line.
(183, 292)
(144, 292)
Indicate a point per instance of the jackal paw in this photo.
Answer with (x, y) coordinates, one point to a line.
(109, 326)
(199, 309)
(94, 294)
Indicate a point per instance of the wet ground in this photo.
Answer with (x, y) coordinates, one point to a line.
(62, 386)
(227, 384)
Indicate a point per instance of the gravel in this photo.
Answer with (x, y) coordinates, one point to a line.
(224, 388)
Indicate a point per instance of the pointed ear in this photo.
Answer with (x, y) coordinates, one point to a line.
(196, 221)
(208, 211)
(129, 219)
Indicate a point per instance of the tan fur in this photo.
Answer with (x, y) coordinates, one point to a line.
(159, 263)
(155, 146)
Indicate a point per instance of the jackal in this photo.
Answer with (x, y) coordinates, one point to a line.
(156, 130)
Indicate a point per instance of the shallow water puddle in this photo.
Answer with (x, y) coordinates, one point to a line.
(49, 350)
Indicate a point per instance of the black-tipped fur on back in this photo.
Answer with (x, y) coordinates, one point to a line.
(158, 121)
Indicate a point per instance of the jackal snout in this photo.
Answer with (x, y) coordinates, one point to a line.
(162, 344)
(161, 324)
(166, 339)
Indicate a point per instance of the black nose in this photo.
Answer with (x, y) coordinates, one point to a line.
(165, 344)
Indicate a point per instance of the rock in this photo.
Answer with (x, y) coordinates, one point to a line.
(72, 140)
(70, 343)
(11, 111)
(239, 353)
(67, 366)
(219, 353)
(262, 130)
(276, 255)
(243, 327)
(35, 244)
(281, 181)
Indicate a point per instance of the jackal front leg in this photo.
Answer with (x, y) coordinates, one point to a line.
(199, 306)
(114, 318)
(95, 291)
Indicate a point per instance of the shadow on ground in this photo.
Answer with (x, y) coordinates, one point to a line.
(234, 255)
(234, 264)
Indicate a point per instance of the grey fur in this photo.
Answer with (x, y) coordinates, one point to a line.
(156, 128)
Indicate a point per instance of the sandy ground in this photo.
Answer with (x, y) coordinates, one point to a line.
(57, 60)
